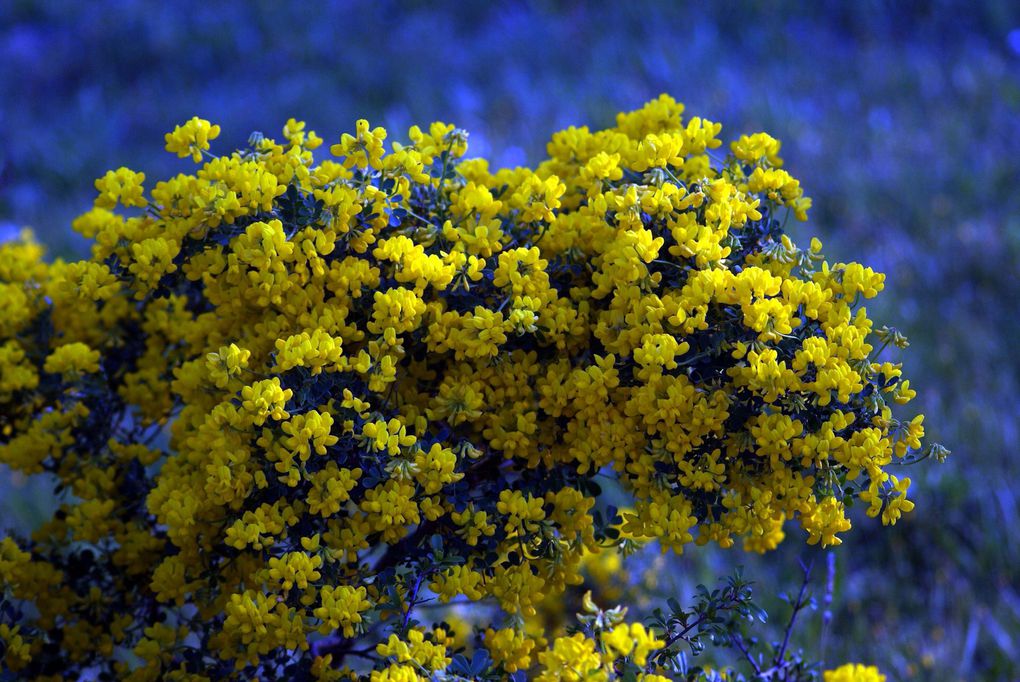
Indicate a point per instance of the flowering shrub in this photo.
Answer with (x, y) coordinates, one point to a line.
(292, 401)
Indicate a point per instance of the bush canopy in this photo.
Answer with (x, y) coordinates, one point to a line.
(296, 407)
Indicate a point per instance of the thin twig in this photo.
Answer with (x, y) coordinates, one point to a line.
(701, 619)
(797, 606)
(680, 635)
(739, 643)
(411, 602)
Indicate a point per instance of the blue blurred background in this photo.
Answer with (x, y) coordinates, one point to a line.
(901, 118)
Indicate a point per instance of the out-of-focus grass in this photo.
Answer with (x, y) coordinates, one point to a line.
(901, 119)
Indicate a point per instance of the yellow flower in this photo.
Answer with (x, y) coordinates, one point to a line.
(122, 186)
(854, 672)
(571, 659)
(416, 649)
(364, 148)
(72, 359)
(826, 519)
(341, 608)
(632, 641)
(265, 399)
(192, 138)
(509, 648)
(17, 651)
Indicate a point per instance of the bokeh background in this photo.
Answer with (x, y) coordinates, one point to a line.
(901, 118)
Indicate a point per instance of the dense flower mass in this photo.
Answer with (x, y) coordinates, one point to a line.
(293, 399)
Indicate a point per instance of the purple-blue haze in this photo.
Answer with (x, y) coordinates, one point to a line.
(902, 119)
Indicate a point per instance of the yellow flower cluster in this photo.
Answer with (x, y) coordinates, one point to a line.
(292, 397)
(854, 672)
(72, 358)
(598, 658)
